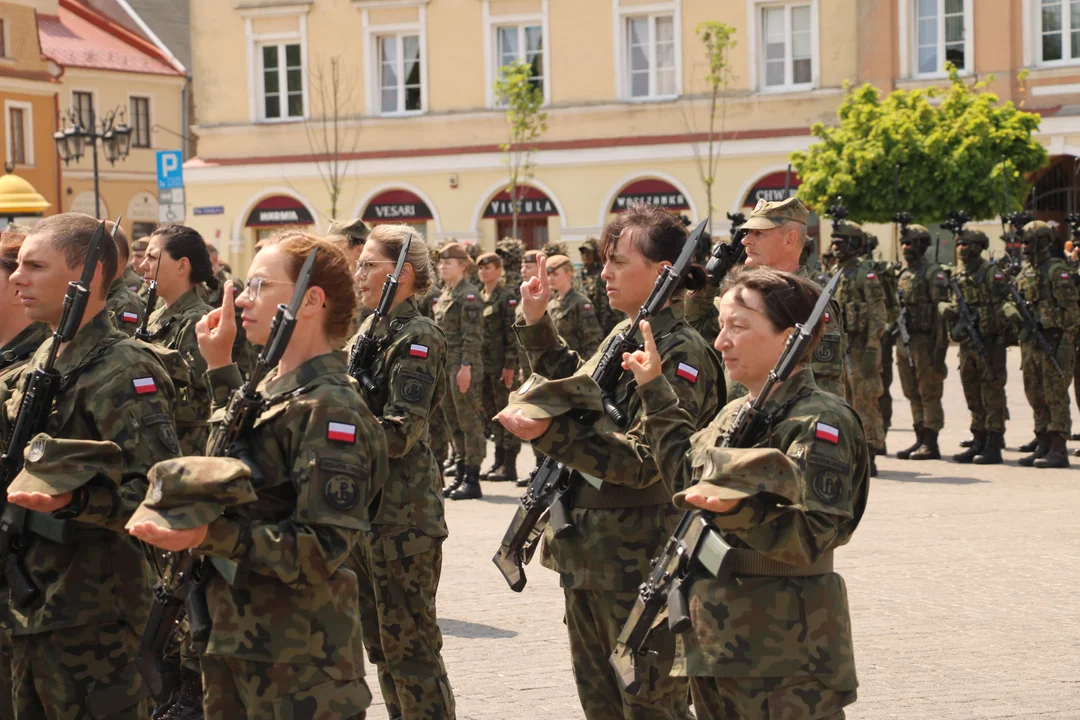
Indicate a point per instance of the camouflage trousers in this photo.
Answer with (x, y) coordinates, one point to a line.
(400, 625)
(984, 386)
(888, 343)
(594, 620)
(924, 383)
(465, 418)
(1048, 391)
(439, 432)
(1076, 370)
(862, 363)
(495, 395)
(235, 689)
(79, 673)
(767, 699)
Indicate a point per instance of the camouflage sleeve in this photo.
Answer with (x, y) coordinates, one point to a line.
(221, 383)
(874, 312)
(412, 393)
(1064, 289)
(472, 344)
(589, 329)
(668, 429)
(548, 354)
(188, 347)
(335, 482)
(510, 356)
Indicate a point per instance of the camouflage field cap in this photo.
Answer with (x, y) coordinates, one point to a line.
(57, 465)
(558, 261)
(722, 476)
(590, 245)
(489, 258)
(190, 492)
(768, 215)
(454, 250)
(539, 398)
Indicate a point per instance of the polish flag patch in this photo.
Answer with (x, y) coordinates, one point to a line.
(827, 433)
(145, 386)
(470, 296)
(342, 432)
(941, 276)
(588, 306)
(999, 276)
(871, 276)
(827, 317)
(130, 317)
(513, 303)
(1064, 276)
(419, 351)
(688, 373)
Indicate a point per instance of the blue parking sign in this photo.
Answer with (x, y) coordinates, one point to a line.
(170, 169)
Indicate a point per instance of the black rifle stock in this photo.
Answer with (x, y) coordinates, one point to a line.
(901, 326)
(183, 590)
(969, 323)
(697, 548)
(550, 483)
(1033, 327)
(367, 345)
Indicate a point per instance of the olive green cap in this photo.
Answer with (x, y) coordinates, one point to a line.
(58, 465)
(540, 398)
(767, 215)
(189, 492)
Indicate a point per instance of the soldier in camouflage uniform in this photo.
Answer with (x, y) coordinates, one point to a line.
(1047, 285)
(922, 285)
(889, 274)
(500, 362)
(571, 311)
(123, 305)
(985, 290)
(74, 650)
(774, 638)
(286, 637)
(621, 522)
(594, 287)
(861, 297)
(399, 560)
(460, 315)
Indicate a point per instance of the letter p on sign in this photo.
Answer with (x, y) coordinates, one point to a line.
(170, 171)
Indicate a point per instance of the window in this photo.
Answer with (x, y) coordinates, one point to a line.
(522, 43)
(3, 39)
(399, 74)
(650, 52)
(282, 82)
(787, 59)
(940, 36)
(1059, 31)
(17, 124)
(83, 103)
(140, 122)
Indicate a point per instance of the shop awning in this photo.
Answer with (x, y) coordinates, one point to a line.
(278, 211)
(534, 203)
(771, 188)
(397, 206)
(651, 192)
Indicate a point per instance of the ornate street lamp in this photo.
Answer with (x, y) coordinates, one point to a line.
(111, 130)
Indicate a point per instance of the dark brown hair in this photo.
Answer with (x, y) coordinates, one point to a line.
(789, 299)
(10, 243)
(72, 233)
(180, 241)
(656, 233)
(332, 273)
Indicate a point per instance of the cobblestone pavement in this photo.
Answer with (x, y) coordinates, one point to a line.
(963, 584)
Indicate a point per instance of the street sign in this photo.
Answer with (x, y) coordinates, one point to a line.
(210, 210)
(171, 213)
(170, 170)
(171, 197)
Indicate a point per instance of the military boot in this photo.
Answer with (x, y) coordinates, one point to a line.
(459, 478)
(470, 488)
(991, 452)
(1031, 446)
(929, 449)
(967, 443)
(1042, 446)
(873, 465)
(450, 467)
(500, 456)
(1057, 456)
(188, 698)
(508, 470)
(906, 452)
(978, 444)
(1075, 436)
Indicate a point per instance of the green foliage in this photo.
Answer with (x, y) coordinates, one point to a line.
(950, 145)
(523, 100)
(717, 38)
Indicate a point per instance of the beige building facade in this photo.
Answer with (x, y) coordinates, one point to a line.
(623, 82)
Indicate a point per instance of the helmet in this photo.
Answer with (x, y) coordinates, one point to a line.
(973, 237)
(851, 234)
(918, 236)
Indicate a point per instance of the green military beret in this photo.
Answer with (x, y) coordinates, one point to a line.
(190, 492)
(58, 465)
(540, 398)
(767, 215)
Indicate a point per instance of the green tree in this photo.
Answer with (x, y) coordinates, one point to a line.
(949, 144)
(717, 38)
(523, 99)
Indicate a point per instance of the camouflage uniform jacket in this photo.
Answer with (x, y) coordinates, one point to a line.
(701, 313)
(125, 307)
(921, 288)
(21, 348)
(624, 524)
(459, 313)
(410, 370)
(1050, 291)
(576, 322)
(173, 327)
(765, 626)
(985, 288)
(101, 576)
(132, 280)
(861, 299)
(321, 458)
(500, 345)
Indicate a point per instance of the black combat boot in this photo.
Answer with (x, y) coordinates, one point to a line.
(459, 478)
(1075, 436)
(500, 456)
(991, 452)
(188, 698)
(967, 443)
(929, 449)
(873, 465)
(508, 470)
(1042, 446)
(1031, 446)
(906, 452)
(978, 444)
(1057, 456)
(470, 489)
(450, 467)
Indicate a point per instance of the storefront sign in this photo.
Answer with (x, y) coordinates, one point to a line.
(397, 206)
(650, 192)
(531, 203)
(279, 210)
(771, 189)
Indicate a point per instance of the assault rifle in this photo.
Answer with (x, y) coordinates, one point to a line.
(183, 590)
(363, 353)
(901, 326)
(39, 391)
(550, 483)
(142, 333)
(969, 322)
(727, 255)
(1032, 326)
(697, 547)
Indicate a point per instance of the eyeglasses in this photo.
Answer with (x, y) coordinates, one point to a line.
(255, 283)
(363, 267)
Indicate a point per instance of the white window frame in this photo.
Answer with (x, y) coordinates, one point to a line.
(622, 15)
(283, 95)
(372, 70)
(149, 118)
(93, 103)
(255, 42)
(909, 39)
(1037, 32)
(28, 131)
(399, 69)
(757, 47)
(492, 23)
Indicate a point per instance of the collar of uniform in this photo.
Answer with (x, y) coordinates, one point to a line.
(30, 336)
(404, 310)
(463, 288)
(116, 286)
(185, 301)
(801, 378)
(86, 339)
(665, 320)
(311, 372)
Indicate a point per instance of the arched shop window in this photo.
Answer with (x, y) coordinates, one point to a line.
(652, 192)
(535, 209)
(275, 213)
(398, 207)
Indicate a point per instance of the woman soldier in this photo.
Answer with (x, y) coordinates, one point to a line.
(400, 559)
(622, 524)
(177, 256)
(286, 628)
(774, 638)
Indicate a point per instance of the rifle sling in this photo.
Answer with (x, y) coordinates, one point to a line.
(751, 562)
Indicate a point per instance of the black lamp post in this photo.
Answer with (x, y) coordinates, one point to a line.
(111, 130)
